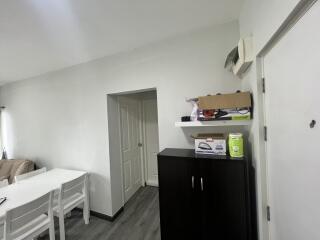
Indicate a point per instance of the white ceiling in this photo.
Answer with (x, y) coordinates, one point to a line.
(38, 36)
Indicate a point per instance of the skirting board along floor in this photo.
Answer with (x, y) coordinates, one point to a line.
(139, 221)
(103, 216)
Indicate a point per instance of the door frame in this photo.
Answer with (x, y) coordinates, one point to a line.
(143, 157)
(144, 143)
(142, 160)
(293, 18)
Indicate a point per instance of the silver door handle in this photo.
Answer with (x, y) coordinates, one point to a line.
(201, 181)
(192, 181)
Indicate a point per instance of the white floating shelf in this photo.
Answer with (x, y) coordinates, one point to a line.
(218, 123)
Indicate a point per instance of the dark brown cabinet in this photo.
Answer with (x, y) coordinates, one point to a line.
(203, 197)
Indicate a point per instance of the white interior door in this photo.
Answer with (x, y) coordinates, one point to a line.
(130, 138)
(292, 72)
(151, 140)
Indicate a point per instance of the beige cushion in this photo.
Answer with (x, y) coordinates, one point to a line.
(11, 168)
(4, 177)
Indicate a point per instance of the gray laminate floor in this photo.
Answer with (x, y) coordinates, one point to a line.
(139, 221)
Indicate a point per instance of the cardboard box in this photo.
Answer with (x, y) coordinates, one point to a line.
(226, 101)
(210, 143)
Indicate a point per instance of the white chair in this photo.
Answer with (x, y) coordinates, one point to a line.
(72, 194)
(29, 174)
(30, 220)
(4, 183)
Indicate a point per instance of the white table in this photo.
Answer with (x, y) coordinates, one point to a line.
(29, 189)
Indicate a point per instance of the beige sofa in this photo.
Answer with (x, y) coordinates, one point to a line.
(14, 167)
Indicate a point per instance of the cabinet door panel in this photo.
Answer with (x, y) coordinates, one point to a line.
(224, 200)
(177, 198)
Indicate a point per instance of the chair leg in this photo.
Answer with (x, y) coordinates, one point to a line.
(61, 226)
(51, 230)
(86, 208)
(86, 213)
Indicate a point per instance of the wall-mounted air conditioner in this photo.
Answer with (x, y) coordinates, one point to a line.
(240, 58)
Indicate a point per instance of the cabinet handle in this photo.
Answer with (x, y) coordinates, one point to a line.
(201, 181)
(192, 181)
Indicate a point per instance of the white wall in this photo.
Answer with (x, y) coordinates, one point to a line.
(60, 119)
(260, 19)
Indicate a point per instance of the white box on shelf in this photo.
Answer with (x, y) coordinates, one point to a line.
(210, 144)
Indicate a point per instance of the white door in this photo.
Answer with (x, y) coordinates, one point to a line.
(292, 72)
(151, 140)
(130, 136)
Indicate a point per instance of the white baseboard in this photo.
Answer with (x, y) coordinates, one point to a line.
(153, 183)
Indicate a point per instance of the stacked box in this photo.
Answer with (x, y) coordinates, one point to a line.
(235, 106)
(210, 143)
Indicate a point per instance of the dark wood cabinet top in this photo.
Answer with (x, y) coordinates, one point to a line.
(190, 153)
